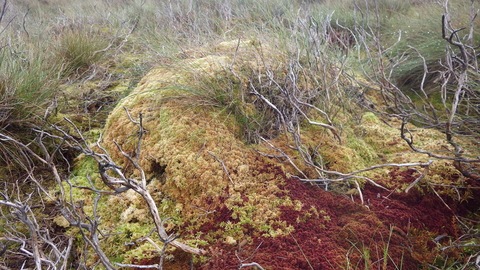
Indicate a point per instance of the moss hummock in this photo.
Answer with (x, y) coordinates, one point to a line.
(227, 194)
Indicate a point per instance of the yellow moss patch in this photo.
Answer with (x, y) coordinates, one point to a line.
(61, 221)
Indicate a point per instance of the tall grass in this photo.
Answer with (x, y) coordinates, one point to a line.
(26, 82)
(79, 49)
(423, 32)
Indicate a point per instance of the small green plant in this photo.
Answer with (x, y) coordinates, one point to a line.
(25, 83)
(374, 254)
(80, 48)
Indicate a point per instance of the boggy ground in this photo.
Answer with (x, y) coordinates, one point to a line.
(397, 232)
(393, 231)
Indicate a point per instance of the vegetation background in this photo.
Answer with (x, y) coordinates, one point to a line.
(410, 60)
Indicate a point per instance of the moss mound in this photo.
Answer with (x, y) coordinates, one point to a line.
(229, 195)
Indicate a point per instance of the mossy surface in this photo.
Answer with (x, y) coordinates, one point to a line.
(223, 194)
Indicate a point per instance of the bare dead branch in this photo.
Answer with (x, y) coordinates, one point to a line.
(328, 126)
(394, 165)
(6, 138)
(2, 13)
(284, 156)
(4, 249)
(23, 22)
(135, 266)
(8, 23)
(37, 238)
(225, 170)
(456, 246)
(93, 239)
(106, 165)
(422, 175)
(279, 113)
(251, 264)
(242, 264)
(359, 191)
(403, 133)
(140, 132)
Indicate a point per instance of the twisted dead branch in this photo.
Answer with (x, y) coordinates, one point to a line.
(38, 245)
(324, 176)
(121, 183)
(254, 264)
(457, 76)
(46, 251)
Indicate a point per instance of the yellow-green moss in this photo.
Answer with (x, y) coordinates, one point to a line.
(370, 118)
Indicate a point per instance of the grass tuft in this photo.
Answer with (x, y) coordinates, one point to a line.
(80, 49)
(26, 83)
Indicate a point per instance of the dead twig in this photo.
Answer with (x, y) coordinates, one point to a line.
(242, 264)
(225, 170)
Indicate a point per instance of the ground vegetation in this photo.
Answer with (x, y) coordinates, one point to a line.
(239, 134)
